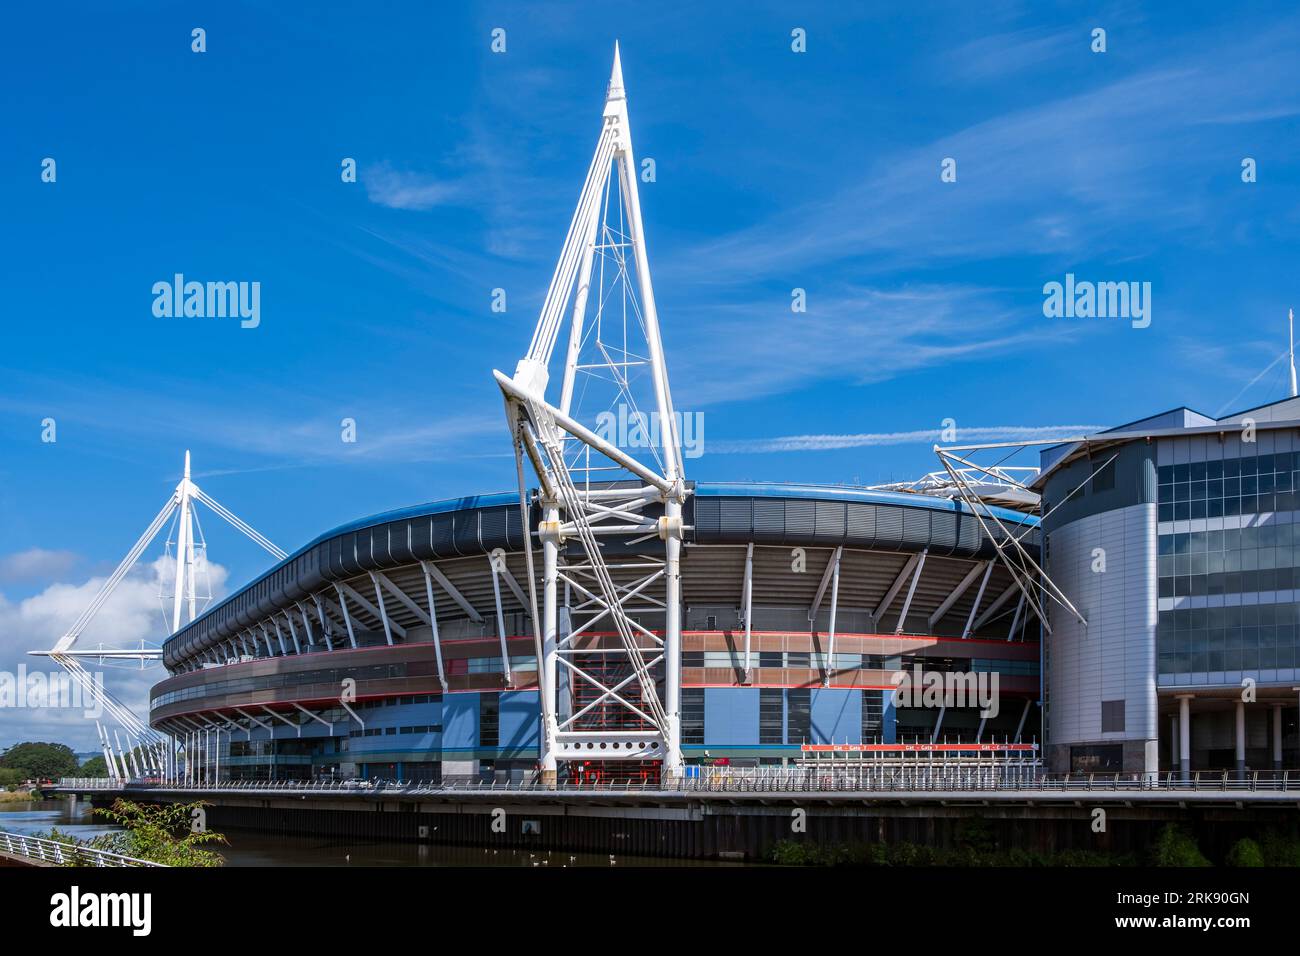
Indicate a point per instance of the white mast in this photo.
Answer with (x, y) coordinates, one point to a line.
(616, 349)
(184, 550)
(1290, 317)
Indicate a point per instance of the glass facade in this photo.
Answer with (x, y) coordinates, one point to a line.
(692, 715)
(1245, 637)
(1256, 484)
(1230, 561)
(1227, 592)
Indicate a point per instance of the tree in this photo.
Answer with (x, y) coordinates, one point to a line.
(159, 833)
(94, 767)
(40, 760)
(10, 777)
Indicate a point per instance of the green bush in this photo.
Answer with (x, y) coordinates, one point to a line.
(1281, 848)
(1245, 852)
(807, 853)
(159, 834)
(1175, 847)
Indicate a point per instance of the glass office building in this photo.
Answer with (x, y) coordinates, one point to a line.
(1177, 537)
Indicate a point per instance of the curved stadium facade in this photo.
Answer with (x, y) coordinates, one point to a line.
(400, 646)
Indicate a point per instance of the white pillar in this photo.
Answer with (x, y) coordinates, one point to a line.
(672, 764)
(184, 555)
(1185, 736)
(547, 666)
(1277, 736)
(1241, 737)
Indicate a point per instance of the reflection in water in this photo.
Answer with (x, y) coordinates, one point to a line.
(248, 848)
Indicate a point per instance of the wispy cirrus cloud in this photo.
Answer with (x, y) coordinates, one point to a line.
(288, 427)
(1001, 54)
(991, 433)
(857, 334)
(404, 189)
(1070, 174)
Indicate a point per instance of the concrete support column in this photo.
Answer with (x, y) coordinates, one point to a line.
(1241, 738)
(1185, 737)
(1277, 736)
(1173, 741)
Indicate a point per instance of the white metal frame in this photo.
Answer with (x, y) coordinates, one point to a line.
(143, 740)
(605, 228)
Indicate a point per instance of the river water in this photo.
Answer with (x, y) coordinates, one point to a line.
(260, 849)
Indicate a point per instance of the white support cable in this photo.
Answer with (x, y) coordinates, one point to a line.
(116, 708)
(239, 524)
(115, 578)
(1022, 574)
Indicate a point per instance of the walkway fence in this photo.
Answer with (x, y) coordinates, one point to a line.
(63, 854)
(866, 779)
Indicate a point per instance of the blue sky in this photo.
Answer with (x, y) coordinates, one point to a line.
(775, 170)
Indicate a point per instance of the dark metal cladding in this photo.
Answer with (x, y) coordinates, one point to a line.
(718, 514)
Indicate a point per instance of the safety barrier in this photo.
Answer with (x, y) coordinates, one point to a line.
(63, 854)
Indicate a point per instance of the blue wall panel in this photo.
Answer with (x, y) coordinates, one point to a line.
(836, 716)
(520, 720)
(731, 716)
(460, 722)
(889, 717)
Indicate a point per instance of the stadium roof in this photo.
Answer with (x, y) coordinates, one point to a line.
(508, 502)
(1284, 413)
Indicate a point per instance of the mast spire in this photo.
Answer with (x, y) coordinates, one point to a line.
(1290, 317)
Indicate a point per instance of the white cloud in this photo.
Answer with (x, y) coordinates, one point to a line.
(875, 439)
(399, 189)
(743, 350)
(133, 613)
(35, 564)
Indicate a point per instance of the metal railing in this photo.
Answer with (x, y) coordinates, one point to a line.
(1012, 778)
(88, 783)
(64, 854)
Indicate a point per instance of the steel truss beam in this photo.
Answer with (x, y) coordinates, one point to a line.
(1026, 573)
(606, 227)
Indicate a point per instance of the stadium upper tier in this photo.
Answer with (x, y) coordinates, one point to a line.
(295, 606)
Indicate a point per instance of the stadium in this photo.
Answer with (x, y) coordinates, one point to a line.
(613, 620)
(610, 619)
(799, 604)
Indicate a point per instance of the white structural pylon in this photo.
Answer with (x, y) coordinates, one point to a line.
(184, 549)
(617, 346)
(141, 737)
(1290, 319)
